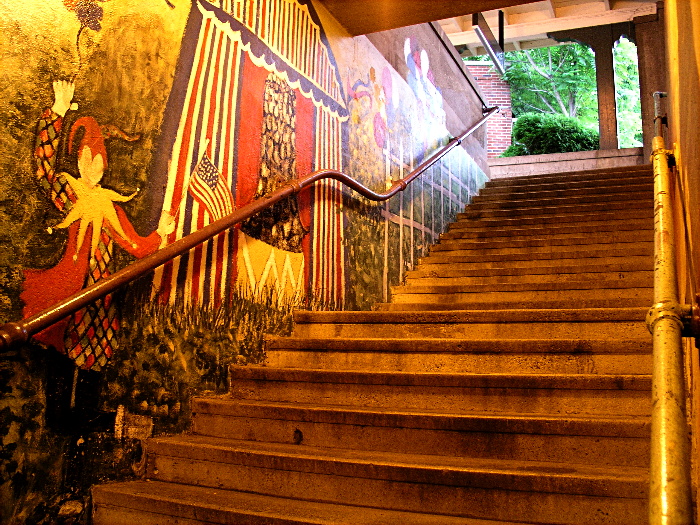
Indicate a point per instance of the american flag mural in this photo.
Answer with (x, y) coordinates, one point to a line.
(209, 190)
(232, 47)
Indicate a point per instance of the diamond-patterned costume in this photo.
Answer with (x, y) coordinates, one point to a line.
(89, 336)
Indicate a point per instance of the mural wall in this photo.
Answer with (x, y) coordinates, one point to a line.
(127, 125)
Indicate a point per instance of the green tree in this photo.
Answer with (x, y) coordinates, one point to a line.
(629, 112)
(558, 80)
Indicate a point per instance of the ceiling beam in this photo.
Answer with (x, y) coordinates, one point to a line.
(527, 30)
(360, 17)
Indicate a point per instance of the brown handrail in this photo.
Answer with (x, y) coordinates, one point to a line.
(19, 332)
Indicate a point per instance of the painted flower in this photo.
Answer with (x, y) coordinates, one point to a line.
(89, 13)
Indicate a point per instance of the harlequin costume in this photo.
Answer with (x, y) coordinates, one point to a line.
(88, 337)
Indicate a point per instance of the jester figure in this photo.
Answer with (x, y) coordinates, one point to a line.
(95, 223)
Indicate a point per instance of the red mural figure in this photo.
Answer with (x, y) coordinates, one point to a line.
(94, 223)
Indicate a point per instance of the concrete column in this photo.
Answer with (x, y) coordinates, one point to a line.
(651, 53)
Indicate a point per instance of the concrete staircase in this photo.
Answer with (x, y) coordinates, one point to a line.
(508, 381)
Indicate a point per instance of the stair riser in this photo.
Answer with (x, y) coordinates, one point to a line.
(450, 279)
(476, 330)
(535, 201)
(576, 209)
(456, 399)
(544, 220)
(437, 263)
(641, 173)
(492, 234)
(644, 295)
(564, 251)
(415, 497)
(106, 514)
(589, 450)
(516, 363)
(533, 272)
(570, 240)
(540, 191)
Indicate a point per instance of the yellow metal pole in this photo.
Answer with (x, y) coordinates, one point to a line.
(669, 483)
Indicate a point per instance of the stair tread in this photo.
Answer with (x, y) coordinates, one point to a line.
(559, 424)
(230, 506)
(504, 315)
(525, 381)
(571, 478)
(457, 345)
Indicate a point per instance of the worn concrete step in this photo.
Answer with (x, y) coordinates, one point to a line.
(542, 209)
(571, 274)
(467, 249)
(602, 287)
(591, 186)
(159, 503)
(526, 258)
(586, 439)
(476, 324)
(478, 222)
(578, 239)
(573, 394)
(644, 172)
(525, 202)
(490, 489)
(535, 271)
(573, 292)
(622, 356)
(554, 230)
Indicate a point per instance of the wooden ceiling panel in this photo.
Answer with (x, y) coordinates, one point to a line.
(360, 17)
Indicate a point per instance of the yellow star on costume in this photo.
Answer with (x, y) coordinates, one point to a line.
(93, 206)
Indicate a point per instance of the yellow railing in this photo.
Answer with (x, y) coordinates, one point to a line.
(669, 474)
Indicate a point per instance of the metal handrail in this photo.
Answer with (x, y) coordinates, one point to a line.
(18, 332)
(669, 474)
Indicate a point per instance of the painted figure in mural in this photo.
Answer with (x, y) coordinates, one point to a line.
(94, 222)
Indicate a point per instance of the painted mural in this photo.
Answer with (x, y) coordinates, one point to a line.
(127, 125)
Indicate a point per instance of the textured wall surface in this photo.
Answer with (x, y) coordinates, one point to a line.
(125, 126)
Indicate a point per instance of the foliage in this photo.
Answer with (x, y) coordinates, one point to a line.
(537, 133)
(629, 109)
(168, 352)
(559, 80)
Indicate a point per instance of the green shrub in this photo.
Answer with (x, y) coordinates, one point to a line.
(537, 133)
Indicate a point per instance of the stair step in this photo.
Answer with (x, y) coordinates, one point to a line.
(512, 281)
(643, 172)
(570, 209)
(560, 189)
(486, 393)
(575, 255)
(562, 250)
(502, 325)
(541, 271)
(455, 230)
(490, 489)
(540, 242)
(160, 503)
(591, 440)
(627, 356)
(525, 202)
(479, 222)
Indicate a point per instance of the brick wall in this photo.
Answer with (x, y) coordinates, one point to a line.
(497, 93)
